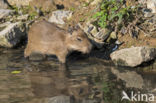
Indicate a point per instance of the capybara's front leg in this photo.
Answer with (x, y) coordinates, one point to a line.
(61, 57)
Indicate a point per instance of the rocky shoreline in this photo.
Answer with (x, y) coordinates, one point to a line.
(15, 23)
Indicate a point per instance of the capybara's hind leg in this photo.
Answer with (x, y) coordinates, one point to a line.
(27, 52)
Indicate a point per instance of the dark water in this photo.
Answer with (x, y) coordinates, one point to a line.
(83, 80)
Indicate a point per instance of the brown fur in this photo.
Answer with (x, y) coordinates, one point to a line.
(47, 38)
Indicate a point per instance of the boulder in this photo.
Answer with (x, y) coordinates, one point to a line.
(5, 12)
(3, 4)
(11, 34)
(133, 56)
(59, 16)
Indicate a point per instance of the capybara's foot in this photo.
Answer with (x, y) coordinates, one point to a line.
(62, 58)
(26, 53)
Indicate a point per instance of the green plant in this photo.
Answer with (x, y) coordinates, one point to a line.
(26, 10)
(111, 12)
(72, 9)
(32, 15)
(81, 19)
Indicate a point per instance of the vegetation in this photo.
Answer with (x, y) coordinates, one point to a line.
(25, 10)
(113, 12)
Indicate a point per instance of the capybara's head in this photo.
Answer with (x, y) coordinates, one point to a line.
(78, 40)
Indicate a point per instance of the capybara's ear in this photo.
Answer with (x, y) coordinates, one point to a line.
(77, 27)
(70, 30)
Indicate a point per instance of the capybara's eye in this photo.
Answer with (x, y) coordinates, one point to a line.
(79, 39)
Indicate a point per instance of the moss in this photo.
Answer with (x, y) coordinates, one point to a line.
(120, 62)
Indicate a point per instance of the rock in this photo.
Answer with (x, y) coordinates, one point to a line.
(23, 17)
(90, 28)
(151, 4)
(128, 77)
(133, 56)
(58, 16)
(142, 1)
(147, 13)
(97, 36)
(102, 35)
(5, 12)
(112, 36)
(3, 4)
(59, 99)
(61, 4)
(12, 34)
(44, 5)
(19, 2)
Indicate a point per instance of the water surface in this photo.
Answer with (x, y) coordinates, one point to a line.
(85, 79)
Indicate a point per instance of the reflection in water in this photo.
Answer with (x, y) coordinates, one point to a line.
(87, 80)
(55, 83)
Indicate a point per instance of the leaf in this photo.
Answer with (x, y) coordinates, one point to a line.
(98, 14)
(16, 72)
(120, 18)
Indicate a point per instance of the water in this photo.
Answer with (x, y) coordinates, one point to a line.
(84, 79)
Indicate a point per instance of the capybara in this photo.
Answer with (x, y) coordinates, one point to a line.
(47, 38)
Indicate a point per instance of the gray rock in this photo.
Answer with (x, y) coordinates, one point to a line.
(23, 17)
(151, 4)
(59, 99)
(97, 36)
(5, 12)
(12, 34)
(133, 56)
(128, 78)
(147, 13)
(102, 35)
(58, 16)
(3, 5)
